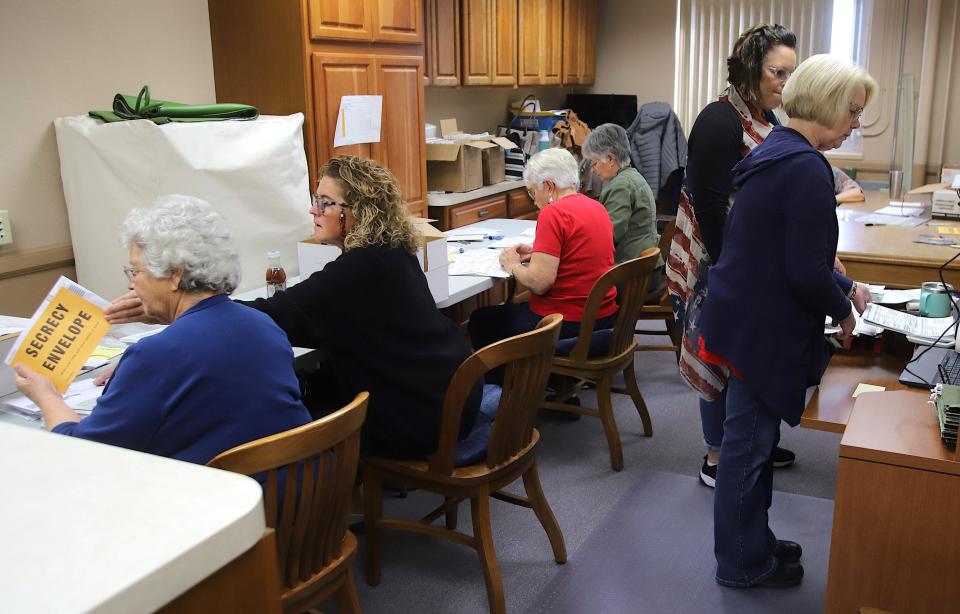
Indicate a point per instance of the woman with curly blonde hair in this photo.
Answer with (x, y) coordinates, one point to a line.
(370, 315)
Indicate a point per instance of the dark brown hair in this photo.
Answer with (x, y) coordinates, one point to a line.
(745, 64)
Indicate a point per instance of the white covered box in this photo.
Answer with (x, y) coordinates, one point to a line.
(254, 172)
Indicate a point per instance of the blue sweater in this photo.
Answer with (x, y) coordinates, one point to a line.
(774, 284)
(219, 376)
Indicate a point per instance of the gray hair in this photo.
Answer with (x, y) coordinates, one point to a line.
(608, 139)
(556, 165)
(184, 232)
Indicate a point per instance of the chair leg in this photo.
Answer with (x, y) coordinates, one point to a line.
(674, 333)
(605, 406)
(531, 483)
(451, 512)
(483, 534)
(372, 512)
(347, 601)
(630, 381)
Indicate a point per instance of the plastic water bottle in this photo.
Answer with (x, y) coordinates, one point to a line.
(544, 142)
(276, 276)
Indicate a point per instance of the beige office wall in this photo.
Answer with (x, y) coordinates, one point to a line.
(635, 49)
(65, 57)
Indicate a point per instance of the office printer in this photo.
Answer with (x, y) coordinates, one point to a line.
(946, 204)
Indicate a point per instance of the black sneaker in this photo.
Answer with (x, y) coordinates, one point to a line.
(708, 474)
(787, 551)
(782, 457)
(786, 575)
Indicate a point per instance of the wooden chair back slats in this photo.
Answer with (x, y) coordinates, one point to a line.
(522, 388)
(524, 383)
(666, 238)
(633, 275)
(309, 475)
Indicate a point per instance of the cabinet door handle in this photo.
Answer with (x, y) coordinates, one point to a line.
(483, 213)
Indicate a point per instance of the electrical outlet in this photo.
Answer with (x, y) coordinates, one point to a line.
(6, 233)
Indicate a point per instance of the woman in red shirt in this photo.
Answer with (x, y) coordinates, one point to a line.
(572, 249)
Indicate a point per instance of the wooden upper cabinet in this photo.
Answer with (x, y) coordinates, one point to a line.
(340, 19)
(397, 21)
(540, 26)
(489, 49)
(336, 75)
(387, 21)
(442, 53)
(579, 41)
(402, 148)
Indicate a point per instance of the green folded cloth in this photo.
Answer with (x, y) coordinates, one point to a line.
(163, 111)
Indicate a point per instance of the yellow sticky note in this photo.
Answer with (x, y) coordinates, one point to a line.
(861, 388)
(948, 230)
(63, 337)
(104, 352)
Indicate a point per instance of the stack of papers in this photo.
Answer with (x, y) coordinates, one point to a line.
(896, 297)
(908, 324)
(476, 233)
(81, 397)
(481, 262)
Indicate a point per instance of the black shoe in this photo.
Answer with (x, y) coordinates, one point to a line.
(782, 457)
(708, 474)
(566, 416)
(785, 576)
(787, 551)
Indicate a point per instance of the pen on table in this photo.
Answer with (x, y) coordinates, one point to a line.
(872, 224)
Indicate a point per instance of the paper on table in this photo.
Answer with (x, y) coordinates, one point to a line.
(898, 297)
(906, 204)
(907, 323)
(151, 329)
(901, 211)
(511, 241)
(861, 388)
(81, 396)
(484, 262)
(486, 231)
(358, 120)
(891, 220)
(102, 356)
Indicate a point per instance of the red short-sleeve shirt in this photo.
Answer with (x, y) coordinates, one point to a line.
(577, 230)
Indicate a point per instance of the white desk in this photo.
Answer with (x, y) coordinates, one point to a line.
(87, 527)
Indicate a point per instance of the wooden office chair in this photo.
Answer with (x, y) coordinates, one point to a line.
(662, 310)
(509, 456)
(315, 549)
(597, 356)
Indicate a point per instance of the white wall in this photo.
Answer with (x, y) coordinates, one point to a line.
(65, 57)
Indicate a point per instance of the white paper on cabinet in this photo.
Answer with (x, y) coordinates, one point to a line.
(358, 120)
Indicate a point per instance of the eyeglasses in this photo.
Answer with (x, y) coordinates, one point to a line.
(131, 271)
(856, 113)
(780, 74)
(595, 162)
(531, 194)
(321, 203)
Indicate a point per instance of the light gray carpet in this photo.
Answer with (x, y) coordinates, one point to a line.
(426, 575)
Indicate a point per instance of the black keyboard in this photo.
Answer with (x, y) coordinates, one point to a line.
(949, 370)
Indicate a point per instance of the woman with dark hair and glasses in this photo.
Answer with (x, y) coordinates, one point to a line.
(762, 61)
(371, 316)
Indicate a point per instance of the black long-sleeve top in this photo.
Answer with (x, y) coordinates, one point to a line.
(715, 147)
(372, 314)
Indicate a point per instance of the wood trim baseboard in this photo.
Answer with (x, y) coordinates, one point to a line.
(35, 260)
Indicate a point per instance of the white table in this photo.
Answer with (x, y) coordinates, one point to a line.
(88, 527)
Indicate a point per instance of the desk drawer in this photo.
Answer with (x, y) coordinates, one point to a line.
(520, 205)
(478, 211)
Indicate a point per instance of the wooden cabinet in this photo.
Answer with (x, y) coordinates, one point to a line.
(540, 26)
(579, 41)
(442, 53)
(489, 42)
(290, 56)
(515, 204)
(383, 21)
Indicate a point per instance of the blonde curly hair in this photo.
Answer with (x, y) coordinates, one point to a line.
(379, 213)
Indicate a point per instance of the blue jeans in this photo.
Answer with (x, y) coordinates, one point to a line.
(743, 541)
(712, 415)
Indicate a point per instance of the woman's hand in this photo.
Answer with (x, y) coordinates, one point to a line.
(511, 257)
(861, 297)
(525, 250)
(127, 308)
(847, 325)
(105, 375)
(35, 386)
(838, 266)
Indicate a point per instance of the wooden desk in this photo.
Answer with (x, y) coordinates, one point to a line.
(830, 406)
(898, 494)
(887, 254)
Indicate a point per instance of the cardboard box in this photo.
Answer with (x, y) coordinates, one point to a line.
(7, 374)
(312, 255)
(432, 256)
(465, 162)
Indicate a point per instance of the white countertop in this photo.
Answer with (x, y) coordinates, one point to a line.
(449, 199)
(87, 527)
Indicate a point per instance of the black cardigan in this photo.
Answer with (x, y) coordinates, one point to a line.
(372, 314)
(716, 141)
